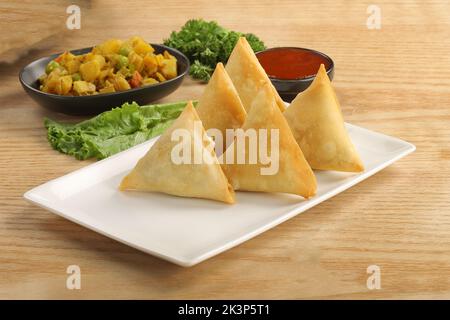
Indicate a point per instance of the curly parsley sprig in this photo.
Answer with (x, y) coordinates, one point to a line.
(206, 43)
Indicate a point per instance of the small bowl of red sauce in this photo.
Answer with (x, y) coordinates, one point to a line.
(293, 69)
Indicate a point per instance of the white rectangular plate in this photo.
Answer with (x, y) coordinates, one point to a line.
(187, 231)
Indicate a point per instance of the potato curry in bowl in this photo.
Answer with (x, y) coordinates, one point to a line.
(112, 66)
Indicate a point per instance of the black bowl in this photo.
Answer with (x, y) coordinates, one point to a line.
(288, 89)
(95, 104)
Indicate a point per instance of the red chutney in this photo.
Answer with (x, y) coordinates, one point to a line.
(291, 63)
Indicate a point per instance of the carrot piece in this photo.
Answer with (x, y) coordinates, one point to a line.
(136, 80)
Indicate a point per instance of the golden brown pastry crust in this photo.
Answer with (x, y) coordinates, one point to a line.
(316, 121)
(294, 175)
(248, 75)
(157, 172)
(220, 106)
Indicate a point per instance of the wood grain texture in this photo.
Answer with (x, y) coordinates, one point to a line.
(19, 35)
(394, 80)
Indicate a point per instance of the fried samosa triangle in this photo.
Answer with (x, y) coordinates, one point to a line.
(220, 106)
(316, 121)
(160, 171)
(291, 172)
(248, 75)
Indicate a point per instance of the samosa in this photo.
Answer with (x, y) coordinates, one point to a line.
(220, 107)
(163, 168)
(292, 173)
(317, 123)
(248, 75)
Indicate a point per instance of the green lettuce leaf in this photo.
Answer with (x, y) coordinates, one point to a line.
(112, 131)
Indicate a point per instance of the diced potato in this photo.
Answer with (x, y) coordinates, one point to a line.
(96, 50)
(52, 82)
(136, 40)
(121, 84)
(100, 59)
(142, 48)
(160, 77)
(133, 40)
(88, 56)
(167, 55)
(83, 87)
(90, 70)
(169, 68)
(136, 60)
(110, 46)
(95, 57)
(149, 81)
(104, 74)
(65, 85)
(107, 89)
(73, 66)
(150, 64)
(160, 59)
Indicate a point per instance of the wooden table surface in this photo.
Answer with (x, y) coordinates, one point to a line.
(395, 80)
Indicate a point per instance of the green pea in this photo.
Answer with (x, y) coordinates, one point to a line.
(76, 77)
(124, 51)
(52, 65)
(122, 61)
